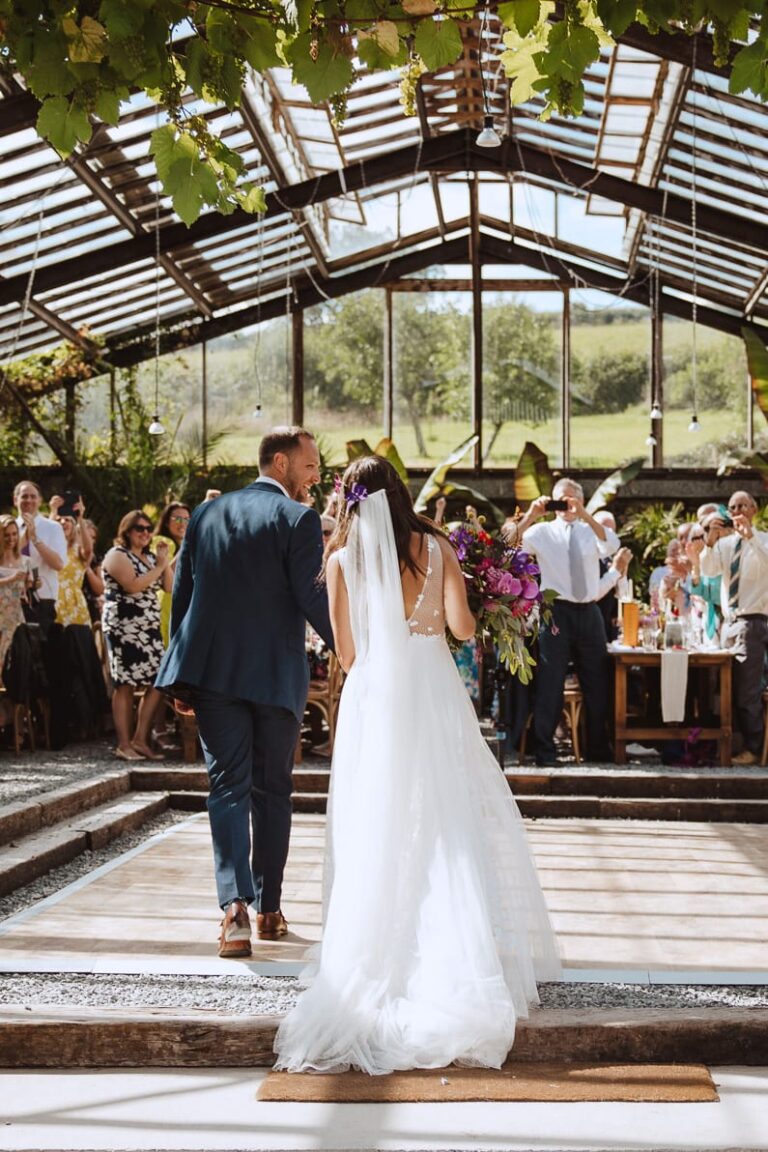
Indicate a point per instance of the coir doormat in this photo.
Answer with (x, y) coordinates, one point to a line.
(657, 1083)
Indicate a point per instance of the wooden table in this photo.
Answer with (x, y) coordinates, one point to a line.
(640, 729)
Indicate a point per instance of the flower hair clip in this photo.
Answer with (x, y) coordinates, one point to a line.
(354, 495)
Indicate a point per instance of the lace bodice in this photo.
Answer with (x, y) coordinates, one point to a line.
(428, 616)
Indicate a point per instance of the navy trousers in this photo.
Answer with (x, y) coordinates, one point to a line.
(249, 755)
(577, 633)
(748, 678)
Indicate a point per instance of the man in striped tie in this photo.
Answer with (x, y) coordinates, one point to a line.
(740, 557)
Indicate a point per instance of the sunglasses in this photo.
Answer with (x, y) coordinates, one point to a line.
(142, 528)
(180, 519)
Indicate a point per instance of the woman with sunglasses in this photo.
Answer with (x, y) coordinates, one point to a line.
(170, 528)
(131, 625)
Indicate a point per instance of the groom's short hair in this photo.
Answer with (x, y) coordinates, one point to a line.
(285, 438)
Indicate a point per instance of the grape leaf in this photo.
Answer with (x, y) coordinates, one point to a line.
(49, 74)
(748, 69)
(259, 45)
(569, 52)
(87, 42)
(63, 123)
(385, 34)
(374, 58)
(167, 149)
(108, 104)
(438, 42)
(419, 7)
(194, 64)
(523, 15)
(324, 77)
(254, 199)
(617, 15)
(122, 18)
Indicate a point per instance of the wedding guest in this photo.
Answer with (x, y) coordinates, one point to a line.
(568, 550)
(674, 584)
(14, 578)
(211, 494)
(707, 589)
(170, 529)
(43, 541)
(93, 583)
(71, 606)
(740, 558)
(704, 511)
(131, 624)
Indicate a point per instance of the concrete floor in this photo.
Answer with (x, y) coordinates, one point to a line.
(217, 1109)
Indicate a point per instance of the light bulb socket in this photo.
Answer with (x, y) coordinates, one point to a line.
(256, 414)
(656, 412)
(694, 425)
(156, 428)
(489, 137)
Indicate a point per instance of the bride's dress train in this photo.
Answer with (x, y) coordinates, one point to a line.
(435, 926)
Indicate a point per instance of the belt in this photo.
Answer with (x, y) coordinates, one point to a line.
(575, 603)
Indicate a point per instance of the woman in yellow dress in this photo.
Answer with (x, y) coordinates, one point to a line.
(170, 528)
(71, 605)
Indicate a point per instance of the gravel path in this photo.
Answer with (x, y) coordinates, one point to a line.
(30, 773)
(253, 995)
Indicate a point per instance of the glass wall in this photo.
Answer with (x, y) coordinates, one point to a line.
(610, 380)
(718, 394)
(522, 377)
(344, 371)
(432, 374)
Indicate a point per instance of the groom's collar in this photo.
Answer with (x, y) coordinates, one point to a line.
(271, 480)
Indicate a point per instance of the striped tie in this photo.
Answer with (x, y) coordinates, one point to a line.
(733, 582)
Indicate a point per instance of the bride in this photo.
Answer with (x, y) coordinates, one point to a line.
(435, 926)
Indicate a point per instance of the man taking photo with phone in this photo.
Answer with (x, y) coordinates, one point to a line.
(734, 550)
(568, 550)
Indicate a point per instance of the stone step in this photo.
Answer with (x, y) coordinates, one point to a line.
(125, 1038)
(23, 860)
(49, 808)
(546, 782)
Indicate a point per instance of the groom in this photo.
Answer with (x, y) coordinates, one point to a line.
(245, 584)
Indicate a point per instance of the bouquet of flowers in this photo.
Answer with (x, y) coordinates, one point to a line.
(503, 591)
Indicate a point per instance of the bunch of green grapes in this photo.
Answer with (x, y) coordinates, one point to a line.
(409, 79)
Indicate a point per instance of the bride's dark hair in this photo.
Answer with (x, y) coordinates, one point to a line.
(374, 473)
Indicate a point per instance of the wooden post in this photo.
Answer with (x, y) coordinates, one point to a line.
(112, 417)
(204, 401)
(657, 379)
(565, 381)
(477, 324)
(70, 414)
(389, 364)
(750, 415)
(298, 367)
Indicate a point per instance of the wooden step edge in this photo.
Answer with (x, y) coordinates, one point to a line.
(685, 785)
(639, 808)
(63, 1038)
(47, 809)
(168, 778)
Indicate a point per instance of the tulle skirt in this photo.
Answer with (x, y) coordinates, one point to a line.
(435, 926)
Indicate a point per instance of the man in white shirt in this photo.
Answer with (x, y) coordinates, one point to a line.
(740, 558)
(568, 551)
(44, 542)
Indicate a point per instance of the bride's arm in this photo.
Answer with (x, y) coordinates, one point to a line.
(457, 614)
(338, 602)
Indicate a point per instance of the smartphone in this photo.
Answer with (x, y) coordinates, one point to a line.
(557, 506)
(68, 507)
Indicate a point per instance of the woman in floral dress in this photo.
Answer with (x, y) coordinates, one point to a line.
(14, 578)
(71, 606)
(131, 624)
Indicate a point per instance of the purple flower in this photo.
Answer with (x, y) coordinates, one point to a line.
(530, 590)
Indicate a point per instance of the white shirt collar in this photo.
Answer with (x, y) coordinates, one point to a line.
(277, 484)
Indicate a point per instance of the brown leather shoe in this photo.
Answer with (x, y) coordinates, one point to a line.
(270, 925)
(235, 938)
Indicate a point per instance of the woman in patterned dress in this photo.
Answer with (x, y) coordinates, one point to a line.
(71, 606)
(131, 624)
(14, 578)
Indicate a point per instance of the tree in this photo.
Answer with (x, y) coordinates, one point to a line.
(82, 58)
(521, 366)
(613, 381)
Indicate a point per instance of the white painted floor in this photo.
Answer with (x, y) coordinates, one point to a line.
(217, 1109)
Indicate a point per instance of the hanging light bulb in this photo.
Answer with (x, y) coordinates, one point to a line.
(256, 414)
(651, 441)
(656, 412)
(488, 137)
(694, 425)
(156, 428)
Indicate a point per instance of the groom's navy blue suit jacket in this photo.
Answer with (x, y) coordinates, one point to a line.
(246, 581)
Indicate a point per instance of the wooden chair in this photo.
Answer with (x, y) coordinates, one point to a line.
(324, 695)
(573, 703)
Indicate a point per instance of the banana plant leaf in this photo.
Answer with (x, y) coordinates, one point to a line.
(387, 449)
(613, 484)
(358, 448)
(533, 476)
(457, 495)
(757, 363)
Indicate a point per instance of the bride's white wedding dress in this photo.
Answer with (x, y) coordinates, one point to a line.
(435, 926)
